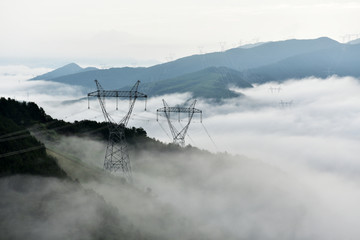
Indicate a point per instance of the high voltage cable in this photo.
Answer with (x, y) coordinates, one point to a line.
(14, 138)
(8, 154)
(95, 130)
(36, 131)
(26, 130)
(71, 115)
(2, 139)
(37, 147)
(9, 136)
(12, 133)
(191, 139)
(65, 126)
(164, 130)
(71, 158)
(217, 149)
(187, 134)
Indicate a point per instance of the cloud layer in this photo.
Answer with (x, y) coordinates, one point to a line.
(299, 179)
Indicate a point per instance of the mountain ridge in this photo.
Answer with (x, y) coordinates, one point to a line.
(68, 69)
(237, 58)
(212, 82)
(341, 61)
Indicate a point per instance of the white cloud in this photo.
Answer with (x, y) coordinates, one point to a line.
(314, 141)
(319, 129)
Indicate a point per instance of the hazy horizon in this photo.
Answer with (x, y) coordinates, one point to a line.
(141, 33)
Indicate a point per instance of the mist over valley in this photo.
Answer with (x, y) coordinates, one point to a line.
(274, 156)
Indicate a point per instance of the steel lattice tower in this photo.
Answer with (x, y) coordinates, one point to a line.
(117, 155)
(178, 136)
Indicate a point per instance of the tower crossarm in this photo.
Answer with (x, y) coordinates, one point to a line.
(116, 93)
(132, 95)
(179, 110)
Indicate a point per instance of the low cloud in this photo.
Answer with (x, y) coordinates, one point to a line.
(298, 181)
(199, 195)
(15, 84)
(48, 208)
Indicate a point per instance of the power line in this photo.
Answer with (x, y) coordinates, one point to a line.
(12, 133)
(46, 124)
(16, 137)
(8, 154)
(217, 149)
(187, 134)
(45, 130)
(164, 130)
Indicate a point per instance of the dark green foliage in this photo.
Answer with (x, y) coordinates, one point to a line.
(86, 128)
(16, 140)
(22, 113)
(14, 137)
(60, 204)
(35, 162)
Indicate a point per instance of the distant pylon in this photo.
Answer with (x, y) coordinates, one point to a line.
(117, 155)
(178, 136)
(284, 104)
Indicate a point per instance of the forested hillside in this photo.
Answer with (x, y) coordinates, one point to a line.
(177, 192)
(38, 196)
(21, 153)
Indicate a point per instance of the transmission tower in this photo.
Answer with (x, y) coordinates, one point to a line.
(178, 136)
(117, 155)
(286, 104)
(222, 46)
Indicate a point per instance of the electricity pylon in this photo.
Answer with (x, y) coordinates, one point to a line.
(117, 155)
(178, 136)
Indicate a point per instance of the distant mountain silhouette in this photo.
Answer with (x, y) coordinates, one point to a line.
(238, 58)
(342, 60)
(211, 82)
(251, 45)
(356, 41)
(68, 69)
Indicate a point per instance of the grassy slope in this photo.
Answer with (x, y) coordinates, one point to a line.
(208, 83)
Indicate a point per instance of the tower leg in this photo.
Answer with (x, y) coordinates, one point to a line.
(180, 141)
(117, 155)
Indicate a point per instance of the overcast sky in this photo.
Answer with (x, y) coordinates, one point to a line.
(134, 31)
